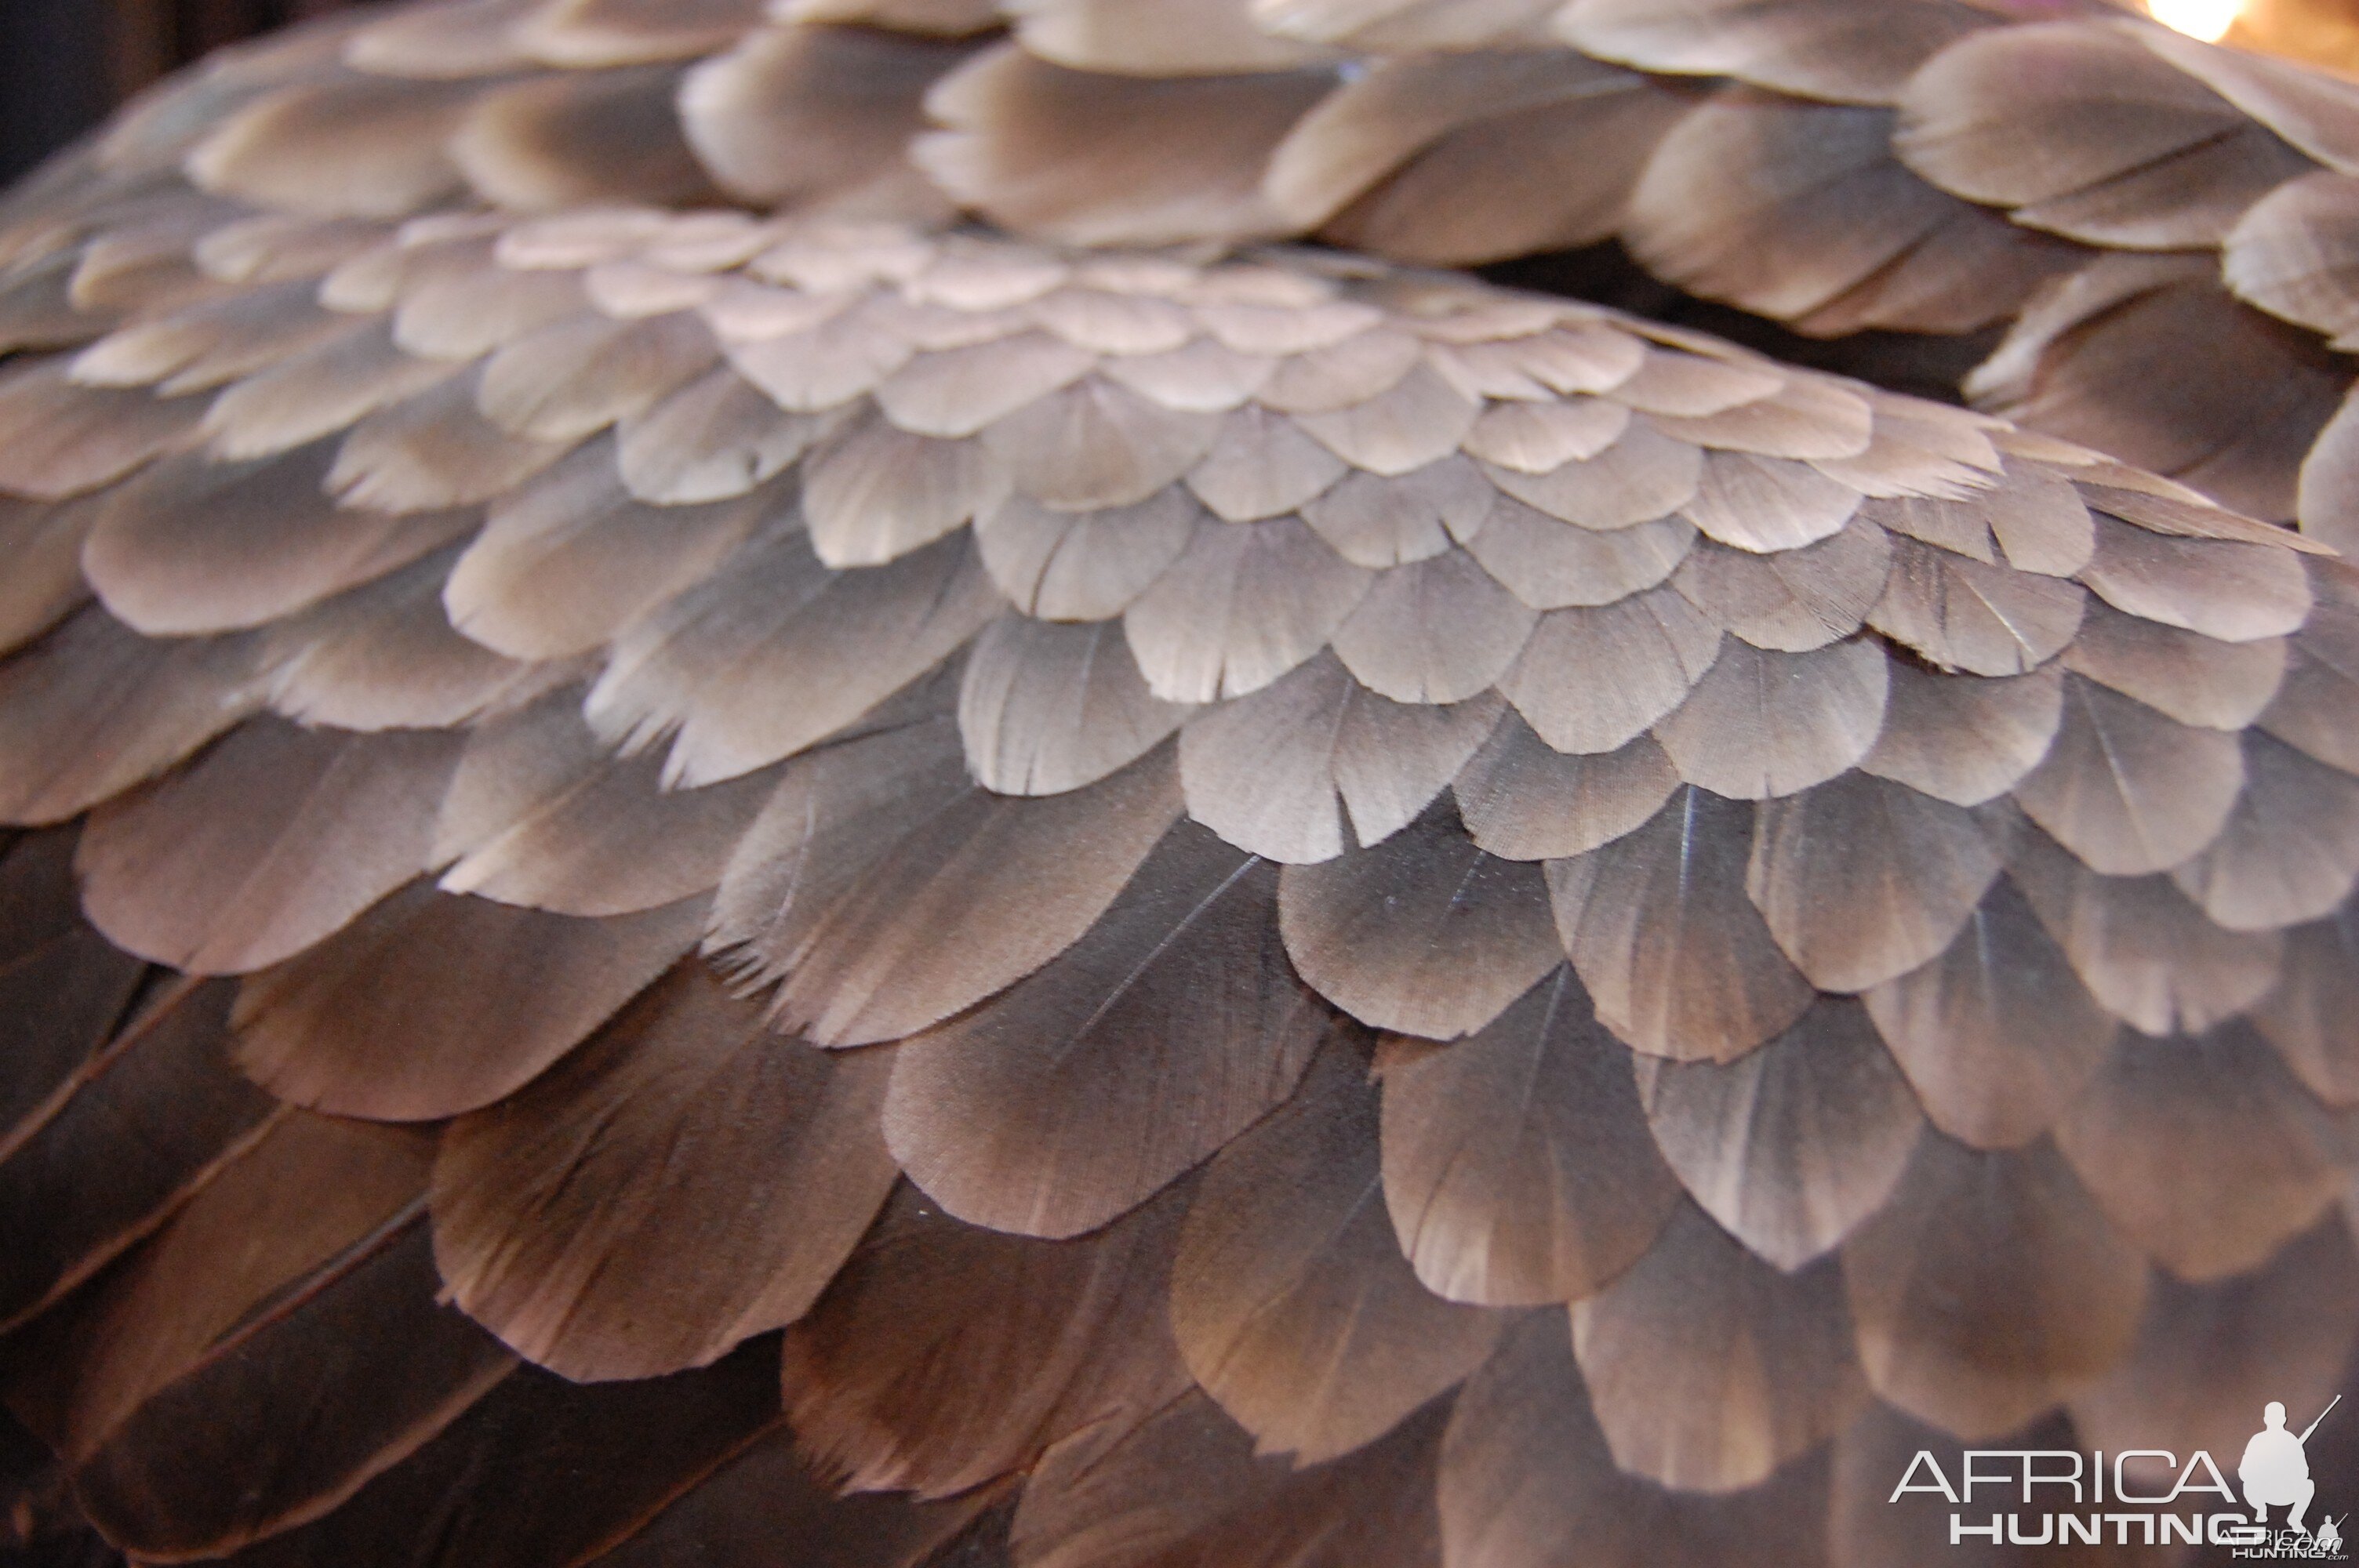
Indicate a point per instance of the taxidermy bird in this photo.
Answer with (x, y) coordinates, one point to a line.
(871, 782)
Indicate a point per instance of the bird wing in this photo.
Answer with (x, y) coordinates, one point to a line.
(1280, 908)
(1835, 165)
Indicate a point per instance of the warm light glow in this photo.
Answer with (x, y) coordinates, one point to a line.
(2207, 19)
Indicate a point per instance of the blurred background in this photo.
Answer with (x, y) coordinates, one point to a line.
(65, 63)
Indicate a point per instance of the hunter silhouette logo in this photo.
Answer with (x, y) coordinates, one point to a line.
(2276, 1468)
(2066, 1497)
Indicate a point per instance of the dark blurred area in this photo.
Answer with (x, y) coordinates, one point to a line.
(65, 63)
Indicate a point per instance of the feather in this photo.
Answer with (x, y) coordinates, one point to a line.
(1921, 451)
(945, 1356)
(1168, 1029)
(1866, 1523)
(434, 451)
(1343, 375)
(1996, 1034)
(430, 1004)
(385, 657)
(2149, 359)
(1677, 959)
(1096, 444)
(1145, 38)
(1521, 800)
(1084, 566)
(2128, 790)
(1044, 707)
(2146, 951)
(2305, 1017)
(2204, 1149)
(1962, 614)
(1791, 1146)
(1261, 464)
(1438, 630)
(1794, 600)
(268, 844)
(2287, 254)
(1590, 681)
(542, 1472)
(816, 367)
(1962, 739)
(1518, 1169)
(1188, 1487)
(1290, 1300)
(2323, 497)
(1813, 49)
(1690, 387)
(2290, 850)
(1378, 522)
(708, 667)
(358, 147)
(153, 1321)
(1642, 476)
(1760, 725)
(94, 709)
(1707, 1369)
(133, 1106)
(201, 1359)
(455, 301)
(1527, 1478)
(210, 341)
(1862, 880)
(1269, 773)
(713, 438)
(2235, 592)
(1551, 565)
(1205, 376)
(44, 583)
(1807, 418)
(1545, 163)
(1418, 421)
(1797, 210)
(2323, 662)
(574, 378)
(1423, 934)
(1088, 159)
(316, 393)
(1534, 437)
(564, 564)
(1239, 608)
(957, 392)
(2210, 1354)
(880, 883)
(189, 546)
(1765, 504)
(596, 840)
(57, 439)
(2082, 131)
(1988, 1287)
(765, 1500)
(560, 1224)
(874, 494)
(1108, 316)
(277, 1422)
(592, 34)
(2192, 678)
(575, 138)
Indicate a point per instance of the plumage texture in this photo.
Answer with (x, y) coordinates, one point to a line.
(1213, 902)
